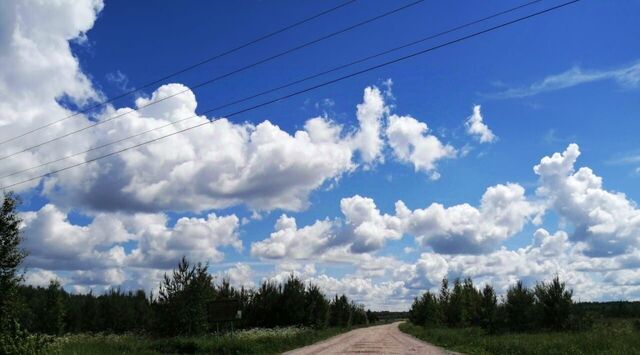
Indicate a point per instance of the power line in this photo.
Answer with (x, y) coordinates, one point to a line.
(183, 70)
(291, 50)
(406, 45)
(460, 39)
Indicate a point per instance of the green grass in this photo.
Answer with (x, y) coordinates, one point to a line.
(255, 341)
(607, 337)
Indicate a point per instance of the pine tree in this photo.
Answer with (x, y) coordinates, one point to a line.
(293, 292)
(11, 256)
(488, 309)
(54, 310)
(553, 301)
(519, 307)
(340, 312)
(316, 308)
(183, 300)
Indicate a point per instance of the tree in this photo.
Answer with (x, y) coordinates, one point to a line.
(54, 311)
(293, 292)
(554, 303)
(454, 312)
(488, 308)
(316, 308)
(519, 307)
(183, 299)
(358, 314)
(372, 317)
(425, 310)
(11, 256)
(340, 312)
(264, 307)
(471, 300)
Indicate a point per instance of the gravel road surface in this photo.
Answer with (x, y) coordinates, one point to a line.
(380, 339)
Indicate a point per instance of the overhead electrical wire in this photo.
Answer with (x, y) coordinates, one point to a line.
(299, 92)
(343, 66)
(181, 71)
(209, 81)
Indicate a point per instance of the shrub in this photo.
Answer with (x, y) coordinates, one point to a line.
(15, 341)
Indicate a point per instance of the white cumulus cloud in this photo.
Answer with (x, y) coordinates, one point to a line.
(411, 143)
(605, 222)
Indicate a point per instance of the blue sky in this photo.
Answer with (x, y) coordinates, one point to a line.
(570, 76)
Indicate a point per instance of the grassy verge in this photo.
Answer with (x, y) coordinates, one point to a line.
(607, 337)
(255, 341)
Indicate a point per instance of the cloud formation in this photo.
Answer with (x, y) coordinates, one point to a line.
(96, 253)
(605, 222)
(219, 165)
(459, 229)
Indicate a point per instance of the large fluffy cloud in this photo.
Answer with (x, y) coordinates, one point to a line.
(40, 71)
(605, 222)
(289, 241)
(218, 165)
(459, 229)
(55, 243)
(411, 143)
(97, 254)
(366, 228)
(503, 211)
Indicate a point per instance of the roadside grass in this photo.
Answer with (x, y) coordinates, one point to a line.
(609, 336)
(253, 341)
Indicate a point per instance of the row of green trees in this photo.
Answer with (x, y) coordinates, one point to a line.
(52, 310)
(182, 307)
(548, 305)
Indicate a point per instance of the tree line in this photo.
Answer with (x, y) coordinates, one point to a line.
(548, 305)
(181, 307)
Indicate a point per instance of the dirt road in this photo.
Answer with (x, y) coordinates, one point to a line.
(381, 339)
